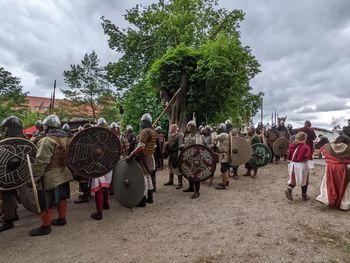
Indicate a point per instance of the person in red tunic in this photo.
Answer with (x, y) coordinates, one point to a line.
(335, 188)
(298, 170)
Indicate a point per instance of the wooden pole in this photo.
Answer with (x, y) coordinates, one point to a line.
(53, 97)
(167, 106)
(262, 110)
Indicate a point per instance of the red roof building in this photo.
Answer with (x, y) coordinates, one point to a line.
(39, 104)
(62, 106)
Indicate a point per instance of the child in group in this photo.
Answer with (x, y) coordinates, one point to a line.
(298, 169)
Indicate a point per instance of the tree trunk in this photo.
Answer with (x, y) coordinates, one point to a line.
(177, 111)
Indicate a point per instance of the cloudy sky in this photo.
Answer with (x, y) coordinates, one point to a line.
(303, 47)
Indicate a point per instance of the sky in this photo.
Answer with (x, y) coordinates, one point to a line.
(302, 46)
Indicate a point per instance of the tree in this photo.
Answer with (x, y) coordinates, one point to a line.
(86, 82)
(141, 99)
(12, 98)
(159, 26)
(188, 44)
(214, 81)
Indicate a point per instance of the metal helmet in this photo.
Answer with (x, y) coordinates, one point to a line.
(129, 128)
(66, 127)
(146, 121)
(101, 122)
(289, 126)
(221, 127)
(52, 121)
(146, 117)
(158, 129)
(191, 123)
(38, 124)
(114, 125)
(11, 122)
(228, 122)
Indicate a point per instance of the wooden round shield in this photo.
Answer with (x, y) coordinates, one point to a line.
(280, 146)
(240, 151)
(128, 183)
(261, 155)
(14, 169)
(26, 195)
(94, 152)
(197, 163)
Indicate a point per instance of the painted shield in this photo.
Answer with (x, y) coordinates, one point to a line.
(261, 155)
(94, 152)
(14, 169)
(241, 151)
(197, 163)
(26, 195)
(128, 183)
(280, 146)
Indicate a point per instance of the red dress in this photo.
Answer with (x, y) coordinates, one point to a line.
(335, 182)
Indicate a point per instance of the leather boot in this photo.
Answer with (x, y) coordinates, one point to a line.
(40, 231)
(179, 186)
(171, 180)
(288, 193)
(220, 187)
(150, 196)
(153, 178)
(255, 173)
(235, 173)
(305, 197)
(5, 225)
(143, 202)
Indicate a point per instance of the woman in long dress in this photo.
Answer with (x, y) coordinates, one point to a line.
(335, 189)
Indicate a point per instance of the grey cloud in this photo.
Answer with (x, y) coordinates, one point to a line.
(301, 45)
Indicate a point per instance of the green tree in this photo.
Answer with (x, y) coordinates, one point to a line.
(191, 44)
(141, 99)
(12, 98)
(87, 83)
(214, 80)
(159, 26)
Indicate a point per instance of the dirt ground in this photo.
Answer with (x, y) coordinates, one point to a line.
(251, 221)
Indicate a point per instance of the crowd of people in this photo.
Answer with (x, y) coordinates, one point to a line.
(150, 147)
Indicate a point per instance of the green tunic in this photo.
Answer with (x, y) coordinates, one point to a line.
(53, 176)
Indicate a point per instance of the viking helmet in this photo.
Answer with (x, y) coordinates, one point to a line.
(221, 128)
(66, 127)
(146, 117)
(11, 122)
(114, 125)
(158, 129)
(129, 128)
(52, 121)
(38, 124)
(101, 122)
(146, 121)
(191, 123)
